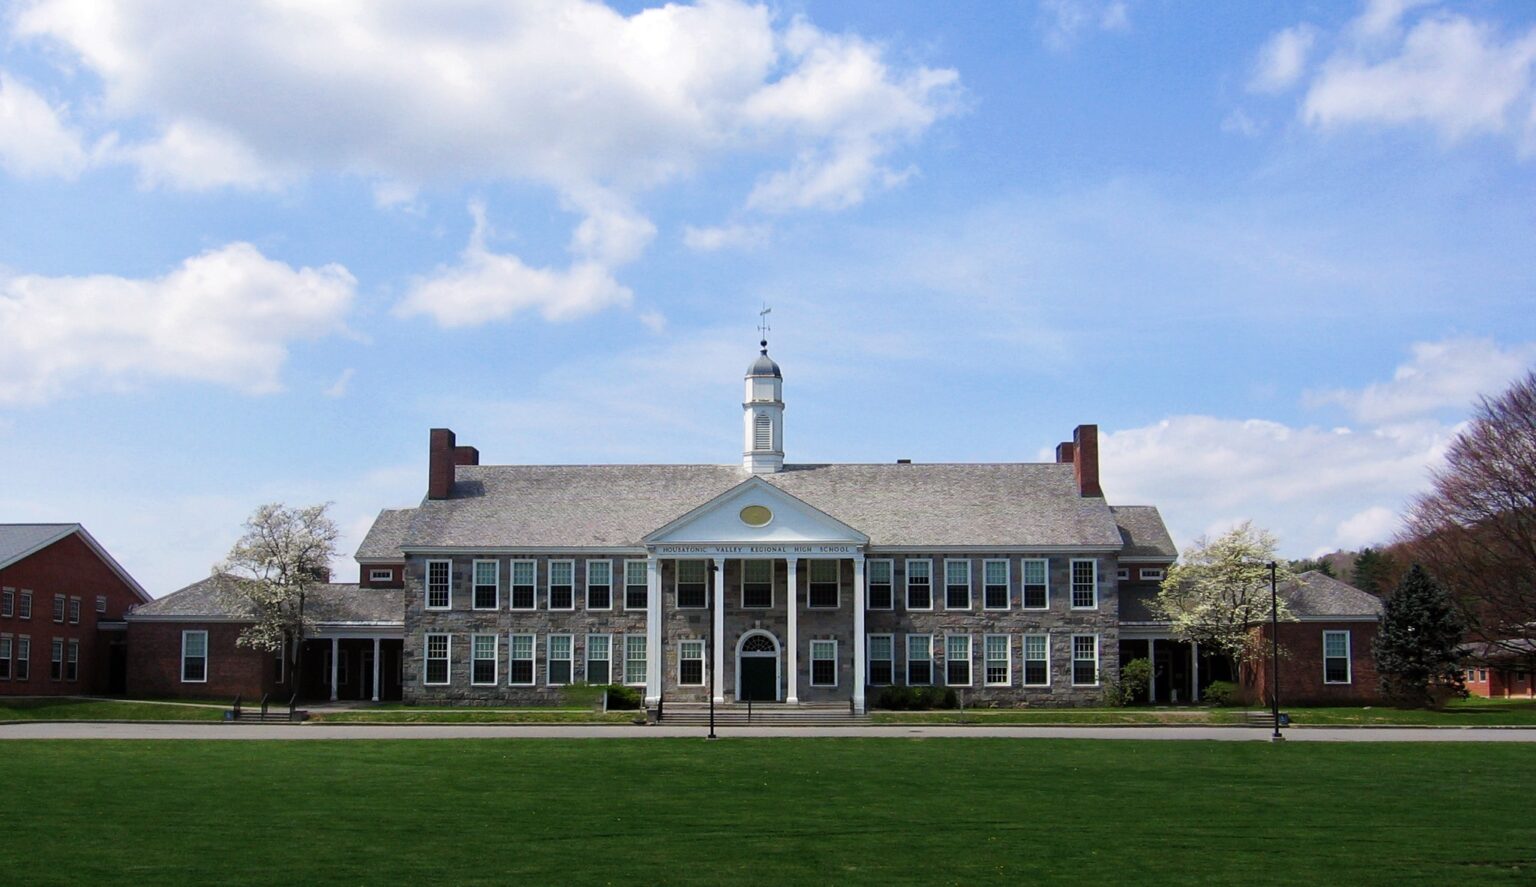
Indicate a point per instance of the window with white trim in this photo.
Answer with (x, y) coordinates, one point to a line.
(919, 585)
(756, 585)
(1085, 584)
(1152, 574)
(599, 585)
(559, 659)
(994, 578)
(24, 606)
(8, 602)
(520, 650)
(58, 608)
(74, 610)
(384, 575)
(562, 585)
(5, 657)
(957, 585)
(482, 660)
(957, 660)
(824, 585)
(1123, 574)
(101, 603)
(1037, 660)
(56, 661)
(690, 663)
(998, 652)
(72, 661)
(634, 659)
(522, 585)
(1336, 657)
(919, 659)
(691, 585)
(1035, 580)
(823, 663)
(23, 658)
(637, 587)
(879, 578)
(882, 666)
(599, 659)
(1085, 659)
(487, 587)
(439, 585)
(435, 652)
(194, 656)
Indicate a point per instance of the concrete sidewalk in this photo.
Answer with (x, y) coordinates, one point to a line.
(65, 730)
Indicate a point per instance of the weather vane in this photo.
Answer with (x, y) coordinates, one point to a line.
(762, 324)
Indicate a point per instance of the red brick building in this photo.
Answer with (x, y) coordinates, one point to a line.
(1326, 646)
(63, 600)
(1502, 670)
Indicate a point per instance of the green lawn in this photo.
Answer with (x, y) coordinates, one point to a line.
(1457, 713)
(474, 715)
(875, 811)
(1084, 717)
(69, 709)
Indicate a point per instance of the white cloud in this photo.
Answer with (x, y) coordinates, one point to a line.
(190, 157)
(226, 316)
(1445, 375)
(34, 140)
(1372, 526)
(1064, 22)
(1283, 59)
(1238, 122)
(734, 236)
(339, 388)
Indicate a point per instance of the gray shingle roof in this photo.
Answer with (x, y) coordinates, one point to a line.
(19, 539)
(1315, 596)
(1143, 531)
(1014, 504)
(336, 603)
(383, 539)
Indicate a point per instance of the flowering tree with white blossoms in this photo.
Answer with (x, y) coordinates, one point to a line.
(1219, 590)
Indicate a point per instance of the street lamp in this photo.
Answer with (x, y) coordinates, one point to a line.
(710, 652)
(1274, 647)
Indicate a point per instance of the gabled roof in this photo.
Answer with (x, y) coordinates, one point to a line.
(813, 521)
(1143, 532)
(18, 541)
(218, 598)
(383, 540)
(616, 506)
(1315, 596)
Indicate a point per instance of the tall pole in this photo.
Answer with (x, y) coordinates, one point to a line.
(1274, 647)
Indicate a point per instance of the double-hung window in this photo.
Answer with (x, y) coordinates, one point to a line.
(599, 659)
(439, 585)
(756, 585)
(487, 587)
(690, 663)
(1085, 659)
(1035, 580)
(482, 665)
(72, 661)
(5, 657)
(24, 606)
(919, 659)
(881, 666)
(919, 585)
(957, 585)
(194, 656)
(23, 658)
(998, 649)
(880, 596)
(1037, 660)
(436, 648)
(562, 585)
(558, 659)
(8, 602)
(58, 608)
(823, 663)
(957, 660)
(520, 660)
(824, 585)
(634, 659)
(74, 610)
(994, 577)
(599, 585)
(1336, 657)
(692, 590)
(522, 588)
(1085, 584)
(637, 586)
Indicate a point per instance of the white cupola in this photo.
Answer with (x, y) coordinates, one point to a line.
(763, 416)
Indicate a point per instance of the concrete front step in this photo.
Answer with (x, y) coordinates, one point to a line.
(764, 715)
(271, 717)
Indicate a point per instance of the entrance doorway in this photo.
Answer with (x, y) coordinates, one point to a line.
(757, 668)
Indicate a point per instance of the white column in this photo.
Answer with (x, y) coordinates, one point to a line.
(858, 633)
(719, 629)
(1152, 676)
(1194, 663)
(335, 664)
(792, 659)
(652, 629)
(376, 646)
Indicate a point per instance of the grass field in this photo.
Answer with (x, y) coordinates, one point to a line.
(766, 811)
(69, 709)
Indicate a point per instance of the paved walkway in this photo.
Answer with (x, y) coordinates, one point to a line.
(617, 731)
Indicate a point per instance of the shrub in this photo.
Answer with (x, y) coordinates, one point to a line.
(1220, 693)
(1133, 679)
(916, 698)
(622, 698)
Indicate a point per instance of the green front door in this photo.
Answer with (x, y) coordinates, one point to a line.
(758, 676)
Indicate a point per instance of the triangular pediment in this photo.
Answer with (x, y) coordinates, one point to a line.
(737, 516)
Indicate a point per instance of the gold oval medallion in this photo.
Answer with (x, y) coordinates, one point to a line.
(756, 515)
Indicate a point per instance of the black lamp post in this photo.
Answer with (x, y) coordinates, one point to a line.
(1274, 647)
(710, 652)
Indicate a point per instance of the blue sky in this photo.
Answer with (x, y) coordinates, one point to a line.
(1273, 251)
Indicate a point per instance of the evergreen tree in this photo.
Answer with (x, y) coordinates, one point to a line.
(1311, 564)
(1373, 571)
(1419, 640)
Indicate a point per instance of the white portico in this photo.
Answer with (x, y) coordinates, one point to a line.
(759, 533)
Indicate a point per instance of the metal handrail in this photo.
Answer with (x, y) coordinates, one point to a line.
(293, 705)
(749, 711)
(265, 698)
(236, 707)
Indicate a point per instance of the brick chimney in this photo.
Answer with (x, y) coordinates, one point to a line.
(1064, 452)
(1084, 451)
(443, 456)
